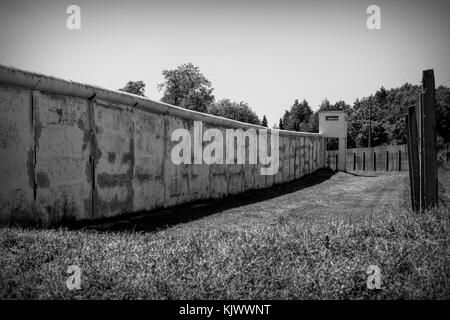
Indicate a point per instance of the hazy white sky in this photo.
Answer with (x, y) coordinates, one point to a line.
(266, 53)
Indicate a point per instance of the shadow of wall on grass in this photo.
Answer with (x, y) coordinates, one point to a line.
(148, 221)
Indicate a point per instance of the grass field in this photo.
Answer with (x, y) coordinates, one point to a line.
(310, 239)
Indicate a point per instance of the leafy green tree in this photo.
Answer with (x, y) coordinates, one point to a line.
(285, 121)
(264, 121)
(443, 113)
(386, 109)
(342, 106)
(325, 105)
(338, 106)
(280, 124)
(379, 135)
(314, 121)
(298, 116)
(187, 87)
(134, 87)
(308, 125)
(234, 110)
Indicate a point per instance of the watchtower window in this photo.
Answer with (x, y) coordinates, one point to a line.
(331, 118)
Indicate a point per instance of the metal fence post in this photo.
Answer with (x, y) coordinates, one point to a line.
(374, 161)
(354, 161)
(387, 160)
(430, 181)
(413, 158)
(364, 161)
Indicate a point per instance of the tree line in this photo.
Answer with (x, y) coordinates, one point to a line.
(186, 87)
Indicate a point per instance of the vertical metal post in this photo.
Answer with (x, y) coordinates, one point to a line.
(430, 181)
(413, 157)
(354, 161)
(364, 161)
(374, 161)
(387, 160)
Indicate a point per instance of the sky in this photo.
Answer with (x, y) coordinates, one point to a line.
(266, 53)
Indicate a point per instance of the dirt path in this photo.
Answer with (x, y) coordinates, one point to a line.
(321, 197)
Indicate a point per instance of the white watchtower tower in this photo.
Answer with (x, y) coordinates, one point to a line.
(333, 124)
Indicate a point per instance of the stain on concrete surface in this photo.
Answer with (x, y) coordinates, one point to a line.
(42, 180)
(113, 207)
(144, 177)
(127, 157)
(106, 180)
(86, 133)
(111, 157)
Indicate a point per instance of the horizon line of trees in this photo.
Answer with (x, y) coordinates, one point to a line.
(186, 87)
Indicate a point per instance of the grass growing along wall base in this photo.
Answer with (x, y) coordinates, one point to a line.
(281, 260)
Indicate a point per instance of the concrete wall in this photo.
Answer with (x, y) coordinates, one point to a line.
(70, 151)
(382, 158)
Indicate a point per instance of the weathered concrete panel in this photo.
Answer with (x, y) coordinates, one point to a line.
(62, 173)
(292, 158)
(279, 176)
(235, 178)
(316, 154)
(250, 171)
(260, 181)
(198, 175)
(302, 155)
(270, 179)
(218, 180)
(114, 159)
(297, 170)
(199, 184)
(176, 177)
(249, 176)
(16, 155)
(286, 158)
(307, 156)
(218, 174)
(149, 137)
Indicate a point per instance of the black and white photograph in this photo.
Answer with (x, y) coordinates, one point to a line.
(226, 155)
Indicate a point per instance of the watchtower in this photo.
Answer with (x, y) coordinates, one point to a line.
(333, 124)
